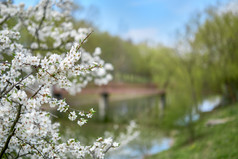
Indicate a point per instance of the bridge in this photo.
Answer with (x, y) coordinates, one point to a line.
(125, 89)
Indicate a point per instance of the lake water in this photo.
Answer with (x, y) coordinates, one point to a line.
(206, 105)
(209, 104)
(147, 140)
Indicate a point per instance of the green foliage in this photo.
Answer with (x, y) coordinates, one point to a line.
(216, 40)
(209, 66)
(216, 142)
(164, 66)
(126, 57)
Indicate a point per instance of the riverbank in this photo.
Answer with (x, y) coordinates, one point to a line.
(215, 138)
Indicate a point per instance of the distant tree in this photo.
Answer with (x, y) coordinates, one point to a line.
(217, 41)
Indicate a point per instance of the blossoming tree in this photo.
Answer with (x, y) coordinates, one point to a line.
(26, 79)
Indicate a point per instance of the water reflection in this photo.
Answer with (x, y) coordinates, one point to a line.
(129, 109)
(149, 141)
(137, 149)
(206, 105)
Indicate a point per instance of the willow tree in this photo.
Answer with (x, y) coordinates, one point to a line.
(217, 41)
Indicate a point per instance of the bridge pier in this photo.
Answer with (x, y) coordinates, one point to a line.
(162, 104)
(103, 106)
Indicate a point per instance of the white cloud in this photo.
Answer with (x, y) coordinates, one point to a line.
(229, 7)
(150, 35)
(141, 34)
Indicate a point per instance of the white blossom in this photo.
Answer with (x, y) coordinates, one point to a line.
(72, 116)
(82, 121)
(26, 80)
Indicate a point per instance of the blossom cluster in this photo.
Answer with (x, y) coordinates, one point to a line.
(29, 70)
(125, 137)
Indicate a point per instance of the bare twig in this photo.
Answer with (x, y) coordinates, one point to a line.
(33, 146)
(4, 89)
(25, 154)
(14, 85)
(18, 154)
(93, 153)
(41, 22)
(55, 116)
(82, 42)
(37, 91)
(108, 148)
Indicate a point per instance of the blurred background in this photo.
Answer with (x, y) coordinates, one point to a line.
(175, 76)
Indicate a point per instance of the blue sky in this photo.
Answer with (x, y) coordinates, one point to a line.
(140, 20)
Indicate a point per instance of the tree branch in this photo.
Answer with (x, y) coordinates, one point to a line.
(25, 154)
(37, 91)
(108, 149)
(5, 88)
(14, 85)
(18, 154)
(41, 22)
(4, 20)
(32, 147)
(12, 131)
(82, 42)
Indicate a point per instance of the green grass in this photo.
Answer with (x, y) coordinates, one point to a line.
(214, 142)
